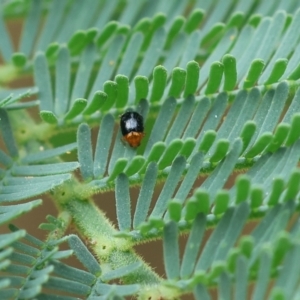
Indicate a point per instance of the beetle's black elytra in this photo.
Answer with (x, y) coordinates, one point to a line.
(132, 128)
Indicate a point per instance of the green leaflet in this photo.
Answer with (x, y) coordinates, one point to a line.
(16, 190)
(10, 212)
(121, 272)
(123, 91)
(9, 238)
(174, 210)
(49, 153)
(153, 53)
(192, 246)
(96, 103)
(19, 59)
(77, 42)
(178, 81)
(171, 251)
(84, 255)
(48, 117)
(43, 82)
(141, 87)
(30, 28)
(169, 187)
(103, 145)
(159, 83)
(242, 274)
(87, 60)
(145, 195)
(230, 73)
(85, 152)
(221, 202)
(192, 78)
(47, 169)
(170, 153)
(132, 51)
(123, 202)
(62, 84)
(106, 33)
(7, 134)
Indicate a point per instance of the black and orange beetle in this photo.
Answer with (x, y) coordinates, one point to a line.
(132, 128)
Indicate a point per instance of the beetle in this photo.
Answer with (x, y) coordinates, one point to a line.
(132, 128)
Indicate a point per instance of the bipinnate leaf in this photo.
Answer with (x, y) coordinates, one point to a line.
(147, 56)
(31, 260)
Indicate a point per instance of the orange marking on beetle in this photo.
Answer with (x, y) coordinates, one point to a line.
(134, 138)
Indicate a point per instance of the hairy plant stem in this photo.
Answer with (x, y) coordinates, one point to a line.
(112, 252)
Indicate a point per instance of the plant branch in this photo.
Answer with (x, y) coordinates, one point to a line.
(111, 251)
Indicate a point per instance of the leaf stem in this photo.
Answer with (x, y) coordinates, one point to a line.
(112, 252)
